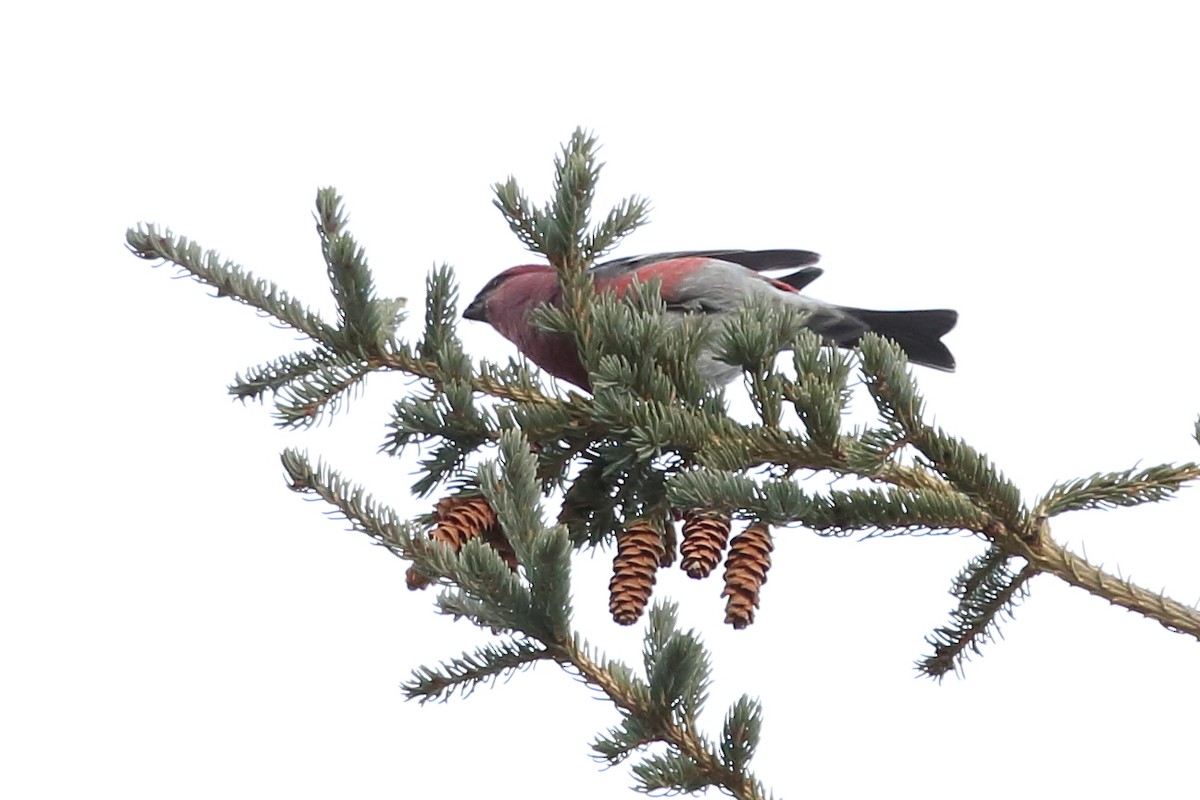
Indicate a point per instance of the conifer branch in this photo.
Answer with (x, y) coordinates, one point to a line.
(691, 763)
(309, 395)
(1116, 489)
(349, 276)
(652, 439)
(820, 393)
(677, 664)
(439, 341)
(891, 385)
(741, 732)
(973, 579)
(1052, 557)
(229, 279)
(1013, 528)
(987, 589)
(783, 502)
(308, 383)
(365, 514)
(575, 174)
(274, 375)
(626, 217)
(470, 670)
(510, 485)
(560, 231)
(523, 219)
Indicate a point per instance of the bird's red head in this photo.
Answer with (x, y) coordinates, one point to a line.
(507, 289)
(505, 303)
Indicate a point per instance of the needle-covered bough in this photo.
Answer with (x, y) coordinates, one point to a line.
(648, 461)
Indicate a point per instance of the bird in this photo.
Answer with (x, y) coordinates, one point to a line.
(715, 283)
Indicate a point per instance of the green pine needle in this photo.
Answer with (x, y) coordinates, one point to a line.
(465, 673)
(653, 438)
(740, 734)
(988, 589)
(1117, 489)
(229, 279)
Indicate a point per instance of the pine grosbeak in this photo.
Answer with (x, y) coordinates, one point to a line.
(711, 282)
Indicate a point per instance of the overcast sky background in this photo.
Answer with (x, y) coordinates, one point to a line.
(175, 623)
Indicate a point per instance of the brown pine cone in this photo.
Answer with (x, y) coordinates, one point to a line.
(745, 573)
(458, 520)
(705, 534)
(639, 550)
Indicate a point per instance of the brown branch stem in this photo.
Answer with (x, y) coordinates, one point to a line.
(1051, 557)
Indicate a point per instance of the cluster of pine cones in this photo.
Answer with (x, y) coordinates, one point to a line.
(641, 552)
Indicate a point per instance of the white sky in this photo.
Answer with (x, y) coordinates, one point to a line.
(177, 624)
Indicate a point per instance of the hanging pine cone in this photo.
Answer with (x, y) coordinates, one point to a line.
(746, 572)
(705, 534)
(639, 550)
(458, 520)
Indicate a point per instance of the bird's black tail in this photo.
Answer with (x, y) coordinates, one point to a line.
(918, 333)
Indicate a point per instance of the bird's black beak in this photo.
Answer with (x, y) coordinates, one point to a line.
(477, 310)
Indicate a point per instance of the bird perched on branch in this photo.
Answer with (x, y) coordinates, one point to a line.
(710, 282)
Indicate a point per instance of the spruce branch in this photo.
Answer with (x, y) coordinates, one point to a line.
(310, 395)
(633, 432)
(561, 231)
(523, 219)
(677, 664)
(1013, 528)
(274, 375)
(1116, 489)
(678, 667)
(891, 385)
(489, 593)
(669, 773)
(652, 439)
(751, 340)
(973, 579)
(691, 762)
(891, 511)
(741, 732)
(450, 421)
(229, 279)
(511, 486)
(621, 741)
(624, 218)
(839, 512)
(365, 514)
(987, 589)
(1053, 558)
(440, 342)
(305, 385)
(468, 671)
(821, 390)
(575, 174)
(349, 276)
